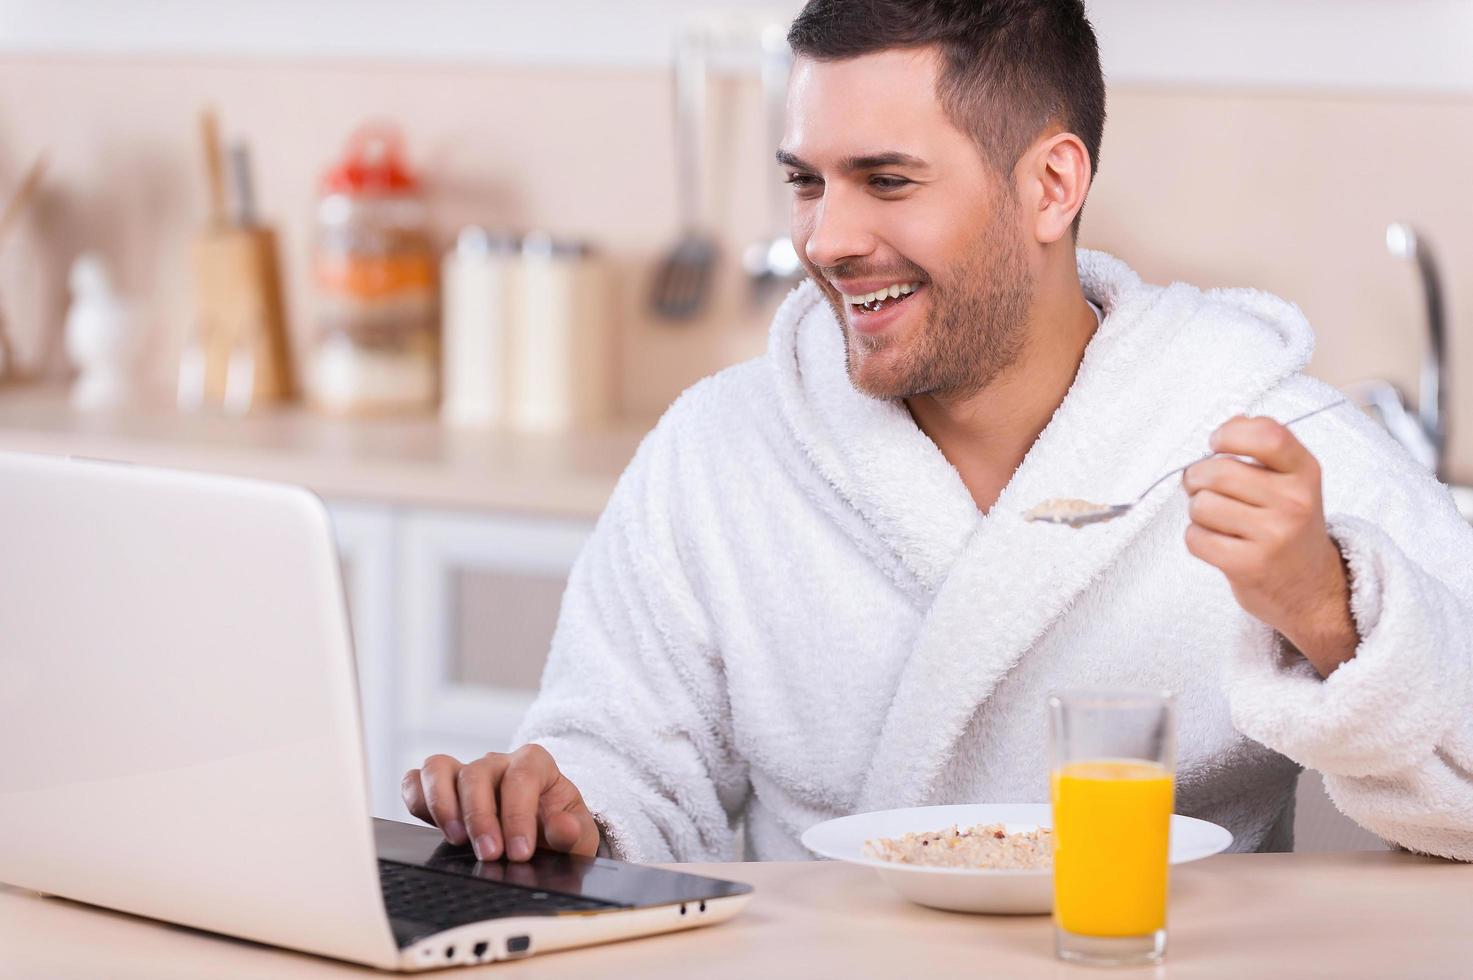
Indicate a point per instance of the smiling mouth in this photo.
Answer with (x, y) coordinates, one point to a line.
(881, 299)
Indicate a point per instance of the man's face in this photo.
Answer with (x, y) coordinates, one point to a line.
(887, 192)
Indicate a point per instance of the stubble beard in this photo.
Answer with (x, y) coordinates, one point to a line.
(975, 327)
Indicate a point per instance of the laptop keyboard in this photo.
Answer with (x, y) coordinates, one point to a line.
(447, 900)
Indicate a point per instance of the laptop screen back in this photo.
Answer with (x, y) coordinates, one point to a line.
(179, 731)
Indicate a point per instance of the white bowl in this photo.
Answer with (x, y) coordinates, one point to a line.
(978, 889)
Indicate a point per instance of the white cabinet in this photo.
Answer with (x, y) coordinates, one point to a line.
(453, 615)
(366, 552)
(480, 596)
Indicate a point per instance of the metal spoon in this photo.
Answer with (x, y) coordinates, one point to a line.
(772, 262)
(1085, 513)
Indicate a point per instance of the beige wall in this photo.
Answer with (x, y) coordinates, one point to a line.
(1285, 192)
(1292, 194)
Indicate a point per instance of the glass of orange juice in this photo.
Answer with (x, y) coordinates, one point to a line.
(1112, 759)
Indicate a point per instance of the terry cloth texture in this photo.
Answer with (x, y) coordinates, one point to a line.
(792, 610)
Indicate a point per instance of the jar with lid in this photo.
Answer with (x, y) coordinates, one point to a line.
(376, 345)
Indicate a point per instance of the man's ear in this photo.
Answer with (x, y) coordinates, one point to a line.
(1053, 182)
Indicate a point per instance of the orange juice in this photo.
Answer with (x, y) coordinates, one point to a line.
(1111, 820)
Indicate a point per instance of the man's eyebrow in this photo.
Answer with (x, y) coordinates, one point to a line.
(849, 165)
(789, 160)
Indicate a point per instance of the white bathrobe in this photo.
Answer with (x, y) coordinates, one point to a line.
(792, 609)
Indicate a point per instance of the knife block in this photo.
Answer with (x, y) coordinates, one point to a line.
(241, 328)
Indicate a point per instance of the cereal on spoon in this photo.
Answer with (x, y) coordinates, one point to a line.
(1065, 510)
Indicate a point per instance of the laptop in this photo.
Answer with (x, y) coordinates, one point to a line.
(180, 738)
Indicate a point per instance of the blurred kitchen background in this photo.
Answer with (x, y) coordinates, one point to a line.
(444, 262)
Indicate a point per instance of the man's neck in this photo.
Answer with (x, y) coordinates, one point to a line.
(986, 435)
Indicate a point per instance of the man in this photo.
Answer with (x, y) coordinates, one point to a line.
(814, 591)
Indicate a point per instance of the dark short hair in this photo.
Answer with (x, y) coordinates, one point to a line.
(1009, 67)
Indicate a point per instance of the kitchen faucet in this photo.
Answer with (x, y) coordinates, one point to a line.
(1423, 433)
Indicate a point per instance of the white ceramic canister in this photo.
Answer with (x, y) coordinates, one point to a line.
(477, 279)
(561, 346)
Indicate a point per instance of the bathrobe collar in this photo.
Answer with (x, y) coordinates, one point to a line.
(1166, 367)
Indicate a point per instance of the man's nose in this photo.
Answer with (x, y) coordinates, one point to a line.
(839, 233)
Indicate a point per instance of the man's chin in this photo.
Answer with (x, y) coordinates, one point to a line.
(871, 374)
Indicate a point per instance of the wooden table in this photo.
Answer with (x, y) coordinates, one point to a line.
(1385, 914)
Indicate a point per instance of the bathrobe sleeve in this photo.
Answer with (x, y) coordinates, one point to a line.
(633, 703)
(1391, 730)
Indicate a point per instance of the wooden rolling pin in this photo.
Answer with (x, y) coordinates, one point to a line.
(239, 358)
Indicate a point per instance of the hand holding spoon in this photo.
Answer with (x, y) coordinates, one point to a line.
(1077, 513)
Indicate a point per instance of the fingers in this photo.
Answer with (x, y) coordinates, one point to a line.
(1224, 515)
(1283, 485)
(566, 821)
(1235, 557)
(529, 773)
(1265, 440)
(1232, 478)
(437, 781)
(502, 804)
(414, 798)
(563, 832)
(477, 784)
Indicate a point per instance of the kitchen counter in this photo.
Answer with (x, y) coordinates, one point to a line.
(1346, 915)
(401, 461)
(416, 462)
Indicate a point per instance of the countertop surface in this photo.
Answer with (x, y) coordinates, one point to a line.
(410, 461)
(413, 461)
(1344, 915)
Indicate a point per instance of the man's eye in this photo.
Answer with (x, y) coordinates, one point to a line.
(888, 183)
(802, 180)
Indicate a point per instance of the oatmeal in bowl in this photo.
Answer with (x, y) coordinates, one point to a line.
(965, 866)
(982, 846)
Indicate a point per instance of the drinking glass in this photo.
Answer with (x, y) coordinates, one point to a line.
(1111, 760)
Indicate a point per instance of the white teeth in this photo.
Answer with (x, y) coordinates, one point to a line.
(889, 292)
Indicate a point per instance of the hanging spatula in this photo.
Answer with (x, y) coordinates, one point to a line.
(683, 281)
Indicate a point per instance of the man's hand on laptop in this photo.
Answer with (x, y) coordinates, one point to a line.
(502, 802)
